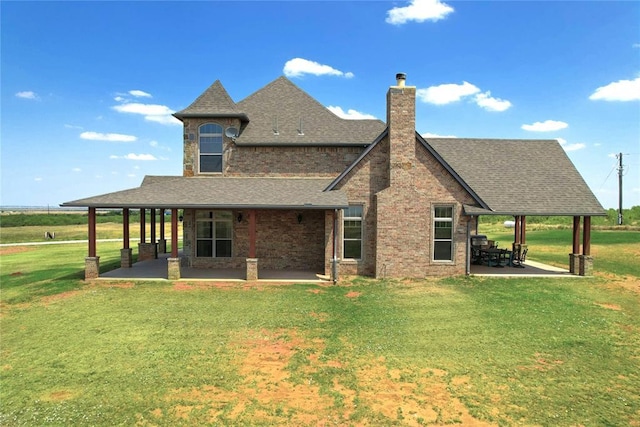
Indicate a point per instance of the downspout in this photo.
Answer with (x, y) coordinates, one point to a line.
(334, 260)
(468, 257)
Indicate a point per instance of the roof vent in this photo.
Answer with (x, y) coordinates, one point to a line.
(401, 79)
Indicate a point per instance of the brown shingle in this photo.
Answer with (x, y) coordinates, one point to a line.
(213, 102)
(519, 177)
(219, 192)
(299, 119)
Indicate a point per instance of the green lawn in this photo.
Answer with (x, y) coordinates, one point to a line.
(469, 351)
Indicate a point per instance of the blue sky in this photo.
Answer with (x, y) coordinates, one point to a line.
(87, 88)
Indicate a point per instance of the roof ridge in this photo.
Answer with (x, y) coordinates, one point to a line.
(215, 100)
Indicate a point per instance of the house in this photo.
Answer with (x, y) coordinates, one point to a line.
(277, 181)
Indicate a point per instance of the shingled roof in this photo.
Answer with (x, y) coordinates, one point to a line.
(282, 113)
(214, 102)
(221, 193)
(519, 177)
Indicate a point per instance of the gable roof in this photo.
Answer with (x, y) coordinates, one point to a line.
(213, 102)
(519, 177)
(282, 113)
(439, 158)
(221, 193)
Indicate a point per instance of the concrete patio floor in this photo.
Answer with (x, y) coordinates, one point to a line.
(157, 270)
(531, 269)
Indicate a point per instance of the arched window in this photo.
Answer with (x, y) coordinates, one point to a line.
(210, 146)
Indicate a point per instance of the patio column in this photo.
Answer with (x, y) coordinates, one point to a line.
(586, 260)
(574, 259)
(523, 229)
(252, 261)
(173, 263)
(152, 214)
(92, 262)
(516, 237)
(126, 257)
(162, 243)
(146, 251)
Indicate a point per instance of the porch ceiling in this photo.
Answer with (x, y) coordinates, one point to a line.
(221, 193)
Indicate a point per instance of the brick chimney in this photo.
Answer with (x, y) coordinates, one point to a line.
(401, 120)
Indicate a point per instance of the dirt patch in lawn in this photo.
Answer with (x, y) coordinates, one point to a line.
(8, 250)
(615, 307)
(353, 294)
(288, 380)
(630, 283)
(61, 296)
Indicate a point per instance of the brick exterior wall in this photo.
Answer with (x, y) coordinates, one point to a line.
(266, 161)
(281, 241)
(398, 184)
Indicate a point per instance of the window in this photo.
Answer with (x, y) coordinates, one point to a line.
(210, 135)
(443, 233)
(214, 234)
(352, 232)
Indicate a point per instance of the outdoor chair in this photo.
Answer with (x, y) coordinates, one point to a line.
(519, 259)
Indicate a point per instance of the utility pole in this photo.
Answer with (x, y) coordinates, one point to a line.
(620, 169)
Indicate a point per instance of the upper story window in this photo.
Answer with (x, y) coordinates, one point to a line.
(443, 233)
(352, 233)
(210, 148)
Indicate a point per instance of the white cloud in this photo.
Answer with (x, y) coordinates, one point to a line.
(37, 179)
(446, 93)
(419, 11)
(133, 156)
(76, 170)
(546, 126)
(435, 135)
(489, 103)
(140, 93)
(119, 98)
(152, 112)
(110, 137)
(570, 147)
(622, 90)
(68, 126)
(297, 67)
(636, 45)
(27, 94)
(349, 114)
(153, 143)
(452, 92)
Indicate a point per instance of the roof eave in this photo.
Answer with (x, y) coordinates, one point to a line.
(242, 116)
(305, 206)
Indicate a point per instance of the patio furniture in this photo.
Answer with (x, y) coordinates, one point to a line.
(519, 256)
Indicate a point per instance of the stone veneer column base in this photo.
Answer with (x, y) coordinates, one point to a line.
(574, 263)
(252, 268)
(126, 258)
(586, 265)
(147, 251)
(162, 246)
(173, 268)
(91, 267)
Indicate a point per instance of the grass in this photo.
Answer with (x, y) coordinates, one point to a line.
(488, 351)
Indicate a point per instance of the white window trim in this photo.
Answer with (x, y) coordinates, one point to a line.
(213, 239)
(220, 134)
(433, 232)
(354, 218)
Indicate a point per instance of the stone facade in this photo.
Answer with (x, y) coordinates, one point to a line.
(91, 267)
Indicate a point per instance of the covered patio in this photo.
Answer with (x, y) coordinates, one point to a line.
(233, 229)
(156, 269)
